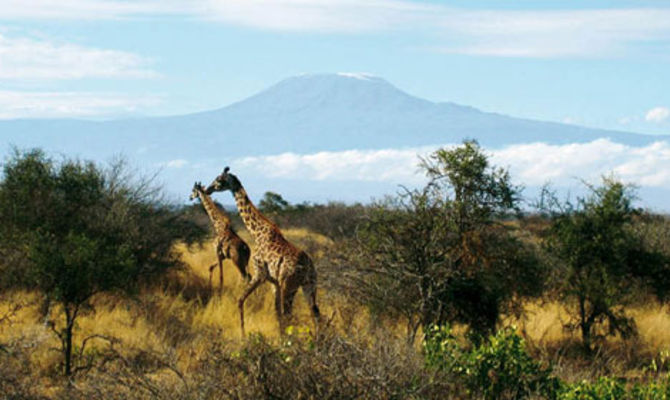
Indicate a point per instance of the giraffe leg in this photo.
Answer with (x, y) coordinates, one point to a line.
(220, 255)
(309, 291)
(309, 285)
(220, 276)
(253, 285)
(276, 291)
(287, 292)
(290, 290)
(260, 275)
(211, 272)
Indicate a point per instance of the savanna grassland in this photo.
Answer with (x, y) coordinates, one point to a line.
(449, 291)
(156, 344)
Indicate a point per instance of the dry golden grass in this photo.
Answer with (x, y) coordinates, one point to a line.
(184, 316)
(170, 314)
(654, 326)
(543, 323)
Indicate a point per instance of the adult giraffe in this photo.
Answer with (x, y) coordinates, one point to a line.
(275, 259)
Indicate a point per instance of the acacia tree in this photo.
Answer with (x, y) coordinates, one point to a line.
(605, 259)
(445, 253)
(80, 230)
(273, 203)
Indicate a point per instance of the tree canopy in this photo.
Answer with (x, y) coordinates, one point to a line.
(72, 229)
(606, 262)
(444, 253)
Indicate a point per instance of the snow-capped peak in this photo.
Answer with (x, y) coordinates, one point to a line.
(357, 75)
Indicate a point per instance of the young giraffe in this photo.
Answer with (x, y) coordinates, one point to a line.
(275, 259)
(228, 244)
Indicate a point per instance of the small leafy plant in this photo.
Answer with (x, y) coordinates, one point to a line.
(498, 368)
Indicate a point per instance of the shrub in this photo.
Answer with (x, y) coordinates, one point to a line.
(81, 230)
(329, 367)
(498, 368)
(299, 367)
(603, 389)
(659, 390)
(443, 253)
(335, 220)
(606, 261)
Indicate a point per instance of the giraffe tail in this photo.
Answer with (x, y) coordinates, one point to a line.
(309, 284)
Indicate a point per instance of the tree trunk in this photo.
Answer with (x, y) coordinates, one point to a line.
(586, 336)
(67, 340)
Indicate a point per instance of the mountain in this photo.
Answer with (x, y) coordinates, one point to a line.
(301, 114)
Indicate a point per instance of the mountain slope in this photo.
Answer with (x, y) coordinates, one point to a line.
(301, 114)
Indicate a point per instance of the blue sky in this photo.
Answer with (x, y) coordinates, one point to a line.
(596, 63)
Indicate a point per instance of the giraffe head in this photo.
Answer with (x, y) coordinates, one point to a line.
(197, 188)
(223, 182)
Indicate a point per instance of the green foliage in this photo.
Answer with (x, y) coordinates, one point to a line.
(273, 203)
(498, 368)
(606, 262)
(444, 253)
(441, 349)
(654, 231)
(659, 390)
(501, 368)
(333, 219)
(607, 388)
(477, 193)
(603, 389)
(79, 230)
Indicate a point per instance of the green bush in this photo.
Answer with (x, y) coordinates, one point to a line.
(608, 388)
(444, 253)
(652, 391)
(80, 230)
(498, 368)
(606, 262)
(605, 388)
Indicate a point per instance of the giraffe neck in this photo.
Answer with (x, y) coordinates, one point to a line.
(220, 220)
(254, 220)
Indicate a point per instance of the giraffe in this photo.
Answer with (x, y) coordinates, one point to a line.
(275, 259)
(228, 244)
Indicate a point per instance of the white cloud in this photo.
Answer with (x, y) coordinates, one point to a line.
(390, 165)
(508, 33)
(657, 114)
(319, 15)
(537, 163)
(540, 34)
(549, 34)
(178, 163)
(28, 58)
(530, 164)
(14, 104)
(88, 9)
(287, 15)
